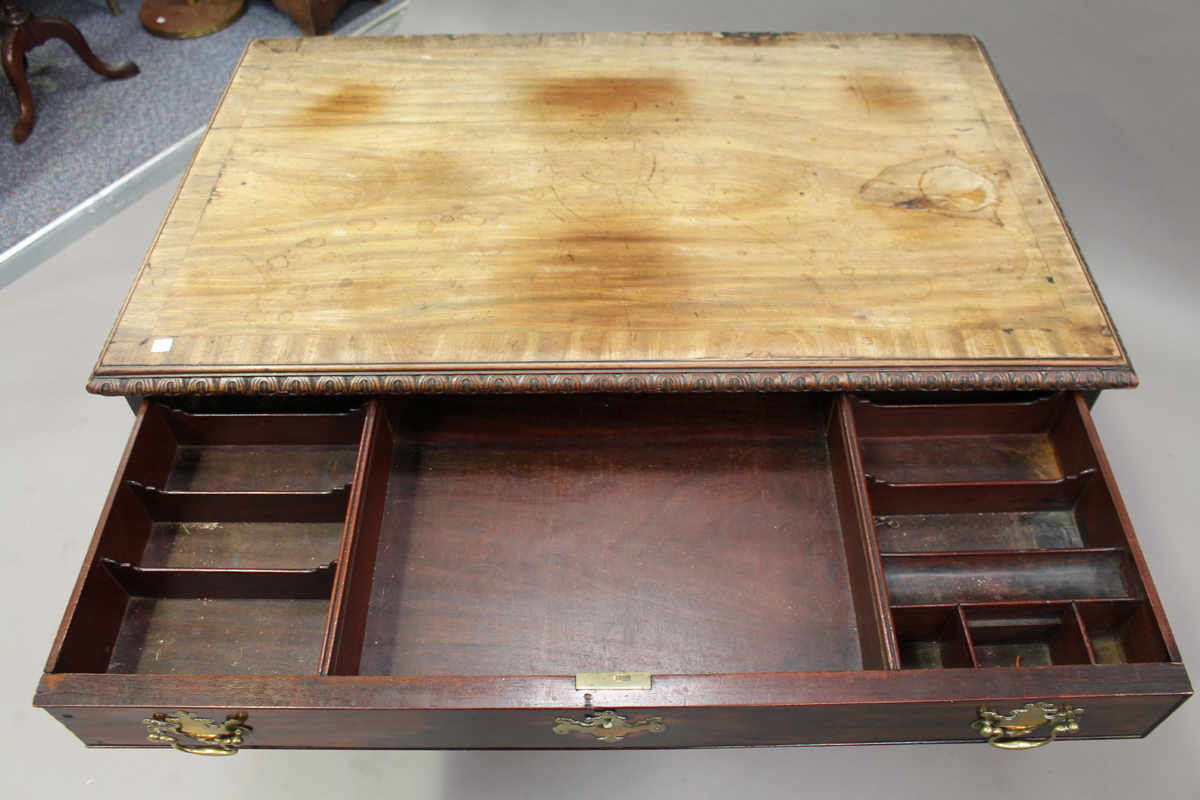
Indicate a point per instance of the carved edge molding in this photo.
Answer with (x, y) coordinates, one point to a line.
(631, 382)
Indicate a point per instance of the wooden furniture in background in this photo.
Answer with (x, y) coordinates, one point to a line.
(313, 16)
(189, 19)
(22, 33)
(618, 390)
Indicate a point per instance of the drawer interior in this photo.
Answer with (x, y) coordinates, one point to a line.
(218, 550)
(557, 534)
(934, 443)
(1000, 544)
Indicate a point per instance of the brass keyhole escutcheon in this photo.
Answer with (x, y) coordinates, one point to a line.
(608, 726)
(1008, 732)
(213, 738)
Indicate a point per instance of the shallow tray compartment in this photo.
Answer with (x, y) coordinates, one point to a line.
(242, 529)
(1123, 632)
(1041, 515)
(242, 545)
(556, 535)
(250, 452)
(221, 622)
(220, 636)
(932, 638)
(1027, 636)
(982, 577)
(1039, 440)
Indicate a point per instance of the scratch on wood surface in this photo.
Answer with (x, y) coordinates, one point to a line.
(765, 238)
(573, 212)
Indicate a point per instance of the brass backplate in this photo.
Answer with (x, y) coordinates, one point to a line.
(613, 680)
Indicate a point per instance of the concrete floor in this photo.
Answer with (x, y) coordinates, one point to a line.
(1107, 93)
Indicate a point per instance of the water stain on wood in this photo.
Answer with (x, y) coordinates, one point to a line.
(885, 94)
(628, 251)
(620, 276)
(605, 95)
(346, 104)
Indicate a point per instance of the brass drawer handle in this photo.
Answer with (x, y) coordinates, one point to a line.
(218, 738)
(608, 726)
(1008, 732)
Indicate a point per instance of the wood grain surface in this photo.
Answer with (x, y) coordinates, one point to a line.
(632, 204)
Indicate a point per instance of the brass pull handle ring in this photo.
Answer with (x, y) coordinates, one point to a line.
(217, 750)
(213, 738)
(1008, 732)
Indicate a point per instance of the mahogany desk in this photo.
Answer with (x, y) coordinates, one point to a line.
(607, 390)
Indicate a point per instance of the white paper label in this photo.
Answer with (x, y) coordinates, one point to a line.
(161, 345)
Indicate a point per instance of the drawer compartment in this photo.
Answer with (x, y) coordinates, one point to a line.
(998, 551)
(995, 577)
(543, 535)
(252, 452)
(218, 551)
(400, 551)
(1039, 439)
(220, 636)
(1031, 515)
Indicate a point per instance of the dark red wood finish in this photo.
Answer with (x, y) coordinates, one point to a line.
(699, 710)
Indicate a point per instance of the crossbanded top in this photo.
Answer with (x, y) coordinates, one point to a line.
(613, 211)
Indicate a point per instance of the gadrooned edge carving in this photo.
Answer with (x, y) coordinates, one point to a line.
(577, 382)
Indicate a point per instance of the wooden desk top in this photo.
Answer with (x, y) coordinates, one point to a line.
(625, 212)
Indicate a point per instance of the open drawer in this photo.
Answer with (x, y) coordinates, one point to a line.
(540, 571)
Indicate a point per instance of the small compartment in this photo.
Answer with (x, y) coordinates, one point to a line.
(242, 545)
(1123, 632)
(1027, 636)
(221, 622)
(1037, 440)
(248, 452)
(932, 637)
(241, 530)
(929, 518)
(220, 636)
(989, 577)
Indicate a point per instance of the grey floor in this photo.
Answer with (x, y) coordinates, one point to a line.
(91, 131)
(1107, 93)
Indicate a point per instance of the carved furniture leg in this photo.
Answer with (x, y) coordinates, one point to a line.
(46, 28)
(13, 53)
(25, 32)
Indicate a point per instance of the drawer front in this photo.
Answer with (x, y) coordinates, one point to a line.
(692, 711)
(672, 728)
